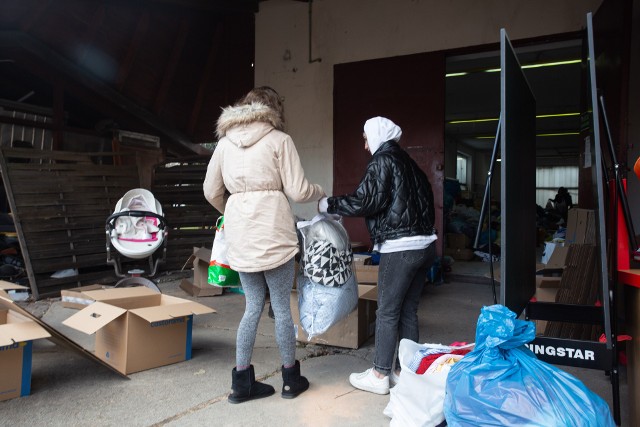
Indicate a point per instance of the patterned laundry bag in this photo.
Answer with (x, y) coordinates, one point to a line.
(327, 287)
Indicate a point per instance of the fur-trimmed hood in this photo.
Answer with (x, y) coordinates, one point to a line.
(234, 120)
(253, 174)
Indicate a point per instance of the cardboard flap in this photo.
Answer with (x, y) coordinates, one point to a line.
(94, 317)
(8, 286)
(119, 293)
(171, 307)
(202, 254)
(558, 257)
(22, 331)
(368, 292)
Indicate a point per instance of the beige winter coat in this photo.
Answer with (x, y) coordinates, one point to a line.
(260, 168)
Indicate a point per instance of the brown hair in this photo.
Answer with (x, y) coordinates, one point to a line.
(265, 95)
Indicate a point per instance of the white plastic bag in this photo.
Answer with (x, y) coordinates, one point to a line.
(219, 272)
(417, 400)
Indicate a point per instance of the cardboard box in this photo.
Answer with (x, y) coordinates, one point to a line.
(137, 328)
(580, 226)
(366, 273)
(351, 331)
(77, 298)
(457, 241)
(199, 286)
(546, 291)
(17, 333)
(360, 259)
(56, 336)
(554, 254)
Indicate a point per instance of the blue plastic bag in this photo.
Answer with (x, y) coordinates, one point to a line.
(502, 383)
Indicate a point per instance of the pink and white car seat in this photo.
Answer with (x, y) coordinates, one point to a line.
(136, 230)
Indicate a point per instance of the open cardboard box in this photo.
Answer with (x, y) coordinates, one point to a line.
(17, 333)
(56, 336)
(351, 331)
(137, 328)
(199, 286)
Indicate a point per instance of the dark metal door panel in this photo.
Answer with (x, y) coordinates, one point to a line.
(410, 90)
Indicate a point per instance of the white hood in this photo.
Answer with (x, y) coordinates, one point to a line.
(379, 130)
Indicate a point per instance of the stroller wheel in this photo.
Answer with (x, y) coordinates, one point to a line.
(137, 281)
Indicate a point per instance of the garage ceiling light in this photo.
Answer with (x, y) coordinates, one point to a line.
(492, 119)
(538, 65)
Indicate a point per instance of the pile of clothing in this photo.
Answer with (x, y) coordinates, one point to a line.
(430, 359)
(11, 262)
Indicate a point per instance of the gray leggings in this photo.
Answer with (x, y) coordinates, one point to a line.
(280, 282)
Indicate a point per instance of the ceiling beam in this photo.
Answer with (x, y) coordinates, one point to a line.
(89, 36)
(40, 60)
(134, 46)
(205, 77)
(172, 65)
(212, 5)
(35, 15)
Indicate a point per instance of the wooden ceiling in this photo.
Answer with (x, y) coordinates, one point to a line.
(162, 67)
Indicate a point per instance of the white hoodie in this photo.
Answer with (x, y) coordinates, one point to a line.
(379, 130)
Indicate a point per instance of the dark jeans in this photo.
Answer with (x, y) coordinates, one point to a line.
(401, 278)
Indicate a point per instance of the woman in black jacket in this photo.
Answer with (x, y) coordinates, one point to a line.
(396, 199)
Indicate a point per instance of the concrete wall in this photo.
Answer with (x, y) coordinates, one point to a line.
(354, 30)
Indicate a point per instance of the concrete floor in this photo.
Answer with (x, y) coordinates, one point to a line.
(70, 390)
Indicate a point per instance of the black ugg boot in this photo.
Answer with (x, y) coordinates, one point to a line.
(293, 382)
(245, 387)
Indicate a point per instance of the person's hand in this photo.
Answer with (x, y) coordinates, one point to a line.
(323, 205)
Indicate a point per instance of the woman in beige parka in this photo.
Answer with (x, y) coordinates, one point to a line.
(254, 171)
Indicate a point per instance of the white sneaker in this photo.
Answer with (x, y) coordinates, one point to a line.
(394, 379)
(368, 381)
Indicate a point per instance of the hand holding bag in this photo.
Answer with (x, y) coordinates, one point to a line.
(220, 273)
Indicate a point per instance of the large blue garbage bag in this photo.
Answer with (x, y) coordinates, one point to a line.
(502, 383)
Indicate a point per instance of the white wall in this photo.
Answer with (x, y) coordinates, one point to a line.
(355, 30)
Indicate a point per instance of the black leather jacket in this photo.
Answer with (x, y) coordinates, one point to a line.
(394, 196)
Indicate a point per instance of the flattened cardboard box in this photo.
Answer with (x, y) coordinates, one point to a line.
(17, 333)
(351, 331)
(199, 286)
(137, 328)
(580, 226)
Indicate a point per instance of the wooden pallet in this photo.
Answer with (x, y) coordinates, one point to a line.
(59, 202)
(177, 185)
